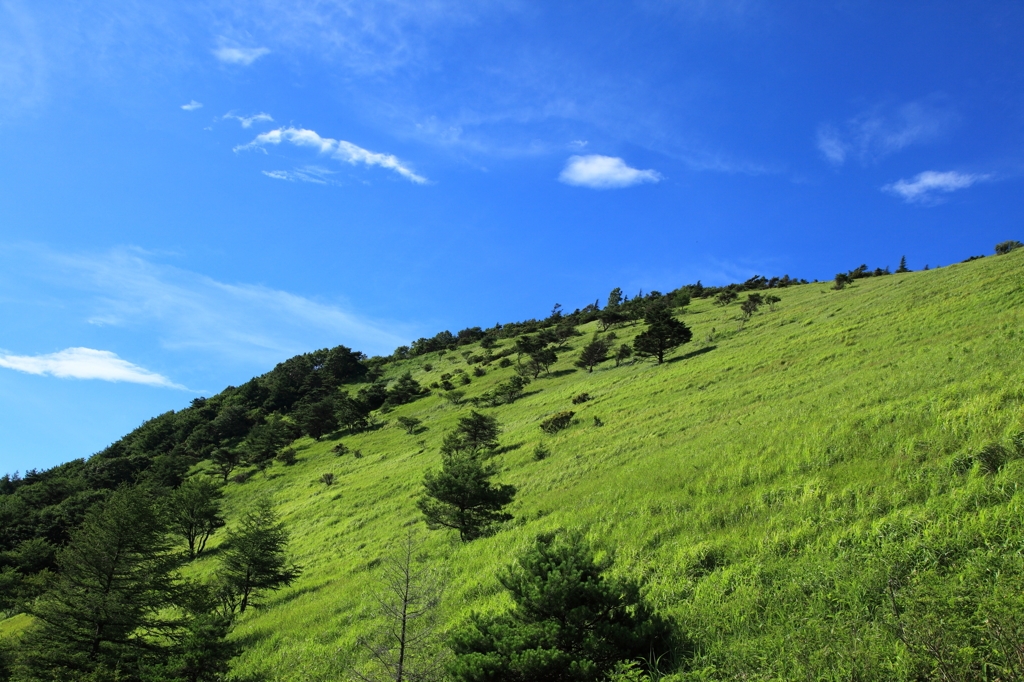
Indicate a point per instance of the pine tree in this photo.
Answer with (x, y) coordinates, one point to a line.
(593, 353)
(460, 496)
(253, 560)
(107, 609)
(193, 513)
(569, 621)
(903, 265)
(663, 334)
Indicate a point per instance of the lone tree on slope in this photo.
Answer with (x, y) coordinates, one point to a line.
(254, 558)
(460, 496)
(593, 353)
(664, 333)
(569, 622)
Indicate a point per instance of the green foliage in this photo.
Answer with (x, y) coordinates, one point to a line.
(1003, 248)
(107, 607)
(201, 653)
(506, 392)
(664, 333)
(581, 398)
(540, 452)
(318, 419)
(726, 297)
(403, 390)
(193, 513)
(266, 440)
(474, 434)
(288, 456)
(253, 559)
(903, 265)
(453, 397)
(593, 353)
(557, 422)
(460, 496)
(223, 461)
(623, 353)
(569, 621)
(410, 424)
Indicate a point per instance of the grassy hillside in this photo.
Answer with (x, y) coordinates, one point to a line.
(807, 496)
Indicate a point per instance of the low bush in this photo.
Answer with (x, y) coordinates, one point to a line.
(557, 422)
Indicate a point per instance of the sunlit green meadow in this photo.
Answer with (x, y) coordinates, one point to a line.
(789, 489)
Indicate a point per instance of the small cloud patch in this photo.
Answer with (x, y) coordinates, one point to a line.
(604, 172)
(192, 106)
(86, 363)
(247, 121)
(927, 186)
(243, 56)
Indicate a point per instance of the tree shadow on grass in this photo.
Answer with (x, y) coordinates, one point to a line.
(560, 373)
(507, 448)
(692, 354)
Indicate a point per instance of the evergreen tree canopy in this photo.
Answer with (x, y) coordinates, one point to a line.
(664, 333)
(107, 606)
(253, 560)
(569, 623)
(592, 354)
(460, 496)
(193, 513)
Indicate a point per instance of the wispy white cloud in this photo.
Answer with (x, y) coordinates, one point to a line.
(339, 150)
(127, 290)
(24, 68)
(878, 132)
(243, 56)
(925, 187)
(192, 106)
(247, 121)
(86, 363)
(604, 172)
(831, 144)
(578, 145)
(314, 174)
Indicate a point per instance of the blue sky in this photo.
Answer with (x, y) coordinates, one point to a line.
(192, 192)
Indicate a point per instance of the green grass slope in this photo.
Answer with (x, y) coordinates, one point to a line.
(803, 495)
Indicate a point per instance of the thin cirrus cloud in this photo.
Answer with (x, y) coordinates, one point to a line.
(242, 56)
(192, 106)
(927, 187)
(128, 292)
(339, 150)
(314, 174)
(874, 134)
(247, 121)
(86, 363)
(604, 172)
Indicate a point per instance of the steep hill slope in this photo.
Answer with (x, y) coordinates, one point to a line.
(829, 490)
(803, 494)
